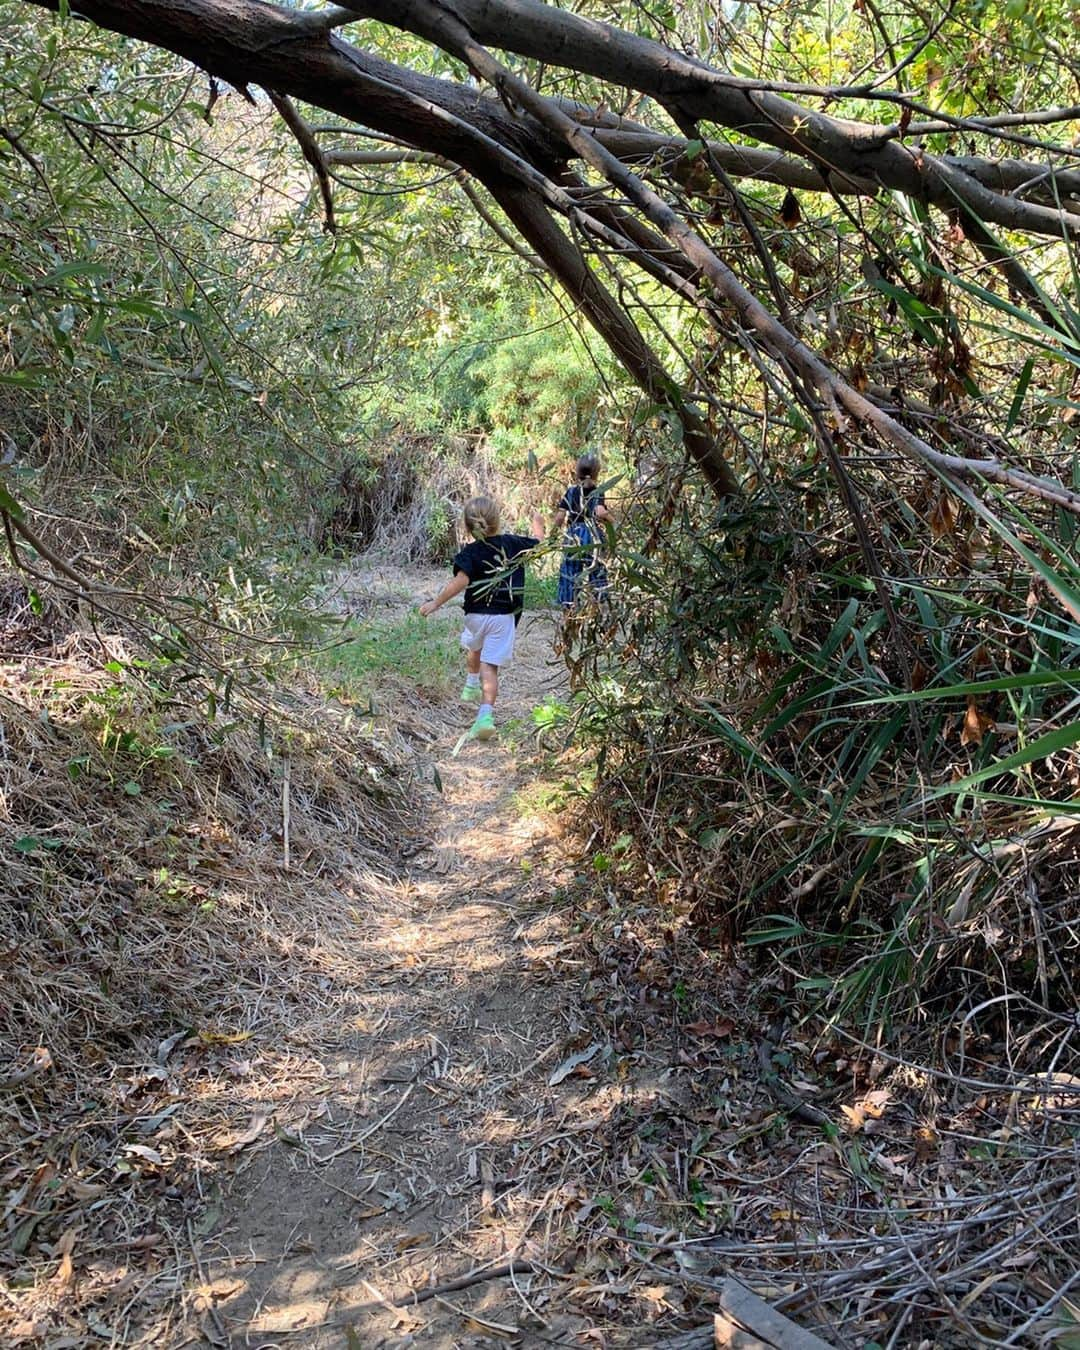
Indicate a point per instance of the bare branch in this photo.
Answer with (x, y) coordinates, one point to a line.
(345, 158)
(312, 153)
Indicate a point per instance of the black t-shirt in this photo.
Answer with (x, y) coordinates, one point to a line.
(580, 505)
(485, 559)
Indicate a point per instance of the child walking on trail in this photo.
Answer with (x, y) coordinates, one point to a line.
(580, 512)
(491, 572)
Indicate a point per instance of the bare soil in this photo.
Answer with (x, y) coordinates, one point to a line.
(401, 1162)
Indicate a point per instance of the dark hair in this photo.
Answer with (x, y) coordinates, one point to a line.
(588, 471)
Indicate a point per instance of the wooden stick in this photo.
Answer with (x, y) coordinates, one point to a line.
(469, 1279)
(286, 807)
(748, 1322)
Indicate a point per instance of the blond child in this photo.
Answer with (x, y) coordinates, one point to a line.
(491, 573)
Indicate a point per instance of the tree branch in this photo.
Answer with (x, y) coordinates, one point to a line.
(700, 93)
(312, 153)
(438, 25)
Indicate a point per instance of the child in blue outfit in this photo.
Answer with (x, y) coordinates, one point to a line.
(491, 572)
(580, 513)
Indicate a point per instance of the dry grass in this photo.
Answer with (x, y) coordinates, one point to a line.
(164, 1030)
(915, 1194)
(405, 502)
(173, 894)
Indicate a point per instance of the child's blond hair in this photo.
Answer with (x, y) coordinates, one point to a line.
(481, 517)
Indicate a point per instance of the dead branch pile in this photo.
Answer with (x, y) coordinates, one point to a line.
(920, 1193)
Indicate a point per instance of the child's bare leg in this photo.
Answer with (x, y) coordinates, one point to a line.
(489, 680)
(472, 662)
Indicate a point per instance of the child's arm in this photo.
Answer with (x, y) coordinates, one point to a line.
(452, 588)
(602, 513)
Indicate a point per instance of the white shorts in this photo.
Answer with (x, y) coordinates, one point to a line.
(492, 635)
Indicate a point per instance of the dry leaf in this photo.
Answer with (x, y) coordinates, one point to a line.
(976, 724)
(256, 1127)
(40, 1061)
(83, 1190)
(64, 1248)
(854, 1117)
(870, 1107)
(926, 1143)
(943, 516)
(874, 1103)
(724, 1027)
(144, 1153)
(224, 1037)
(567, 1067)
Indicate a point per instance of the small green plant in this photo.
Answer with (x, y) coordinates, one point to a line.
(541, 589)
(550, 714)
(408, 647)
(698, 1197)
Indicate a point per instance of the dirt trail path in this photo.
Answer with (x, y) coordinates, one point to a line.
(406, 1163)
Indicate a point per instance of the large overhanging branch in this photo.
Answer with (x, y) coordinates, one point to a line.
(1047, 186)
(696, 92)
(293, 53)
(434, 22)
(519, 153)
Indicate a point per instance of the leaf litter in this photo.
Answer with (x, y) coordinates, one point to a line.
(366, 1141)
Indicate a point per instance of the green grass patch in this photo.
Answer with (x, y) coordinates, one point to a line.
(403, 649)
(541, 591)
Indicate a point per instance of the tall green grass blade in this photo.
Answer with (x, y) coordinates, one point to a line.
(1035, 679)
(1018, 397)
(1061, 738)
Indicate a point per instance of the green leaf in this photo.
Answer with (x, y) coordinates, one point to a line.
(1018, 397)
(1068, 596)
(1034, 679)
(75, 269)
(25, 379)
(132, 788)
(9, 505)
(1057, 335)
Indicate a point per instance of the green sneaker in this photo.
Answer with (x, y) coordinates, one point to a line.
(471, 693)
(483, 728)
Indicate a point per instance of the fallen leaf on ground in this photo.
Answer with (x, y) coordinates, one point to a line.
(143, 1151)
(224, 1037)
(64, 1247)
(258, 1124)
(871, 1107)
(719, 1029)
(568, 1066)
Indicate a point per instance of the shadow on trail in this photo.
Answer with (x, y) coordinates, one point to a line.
(425, 1141)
